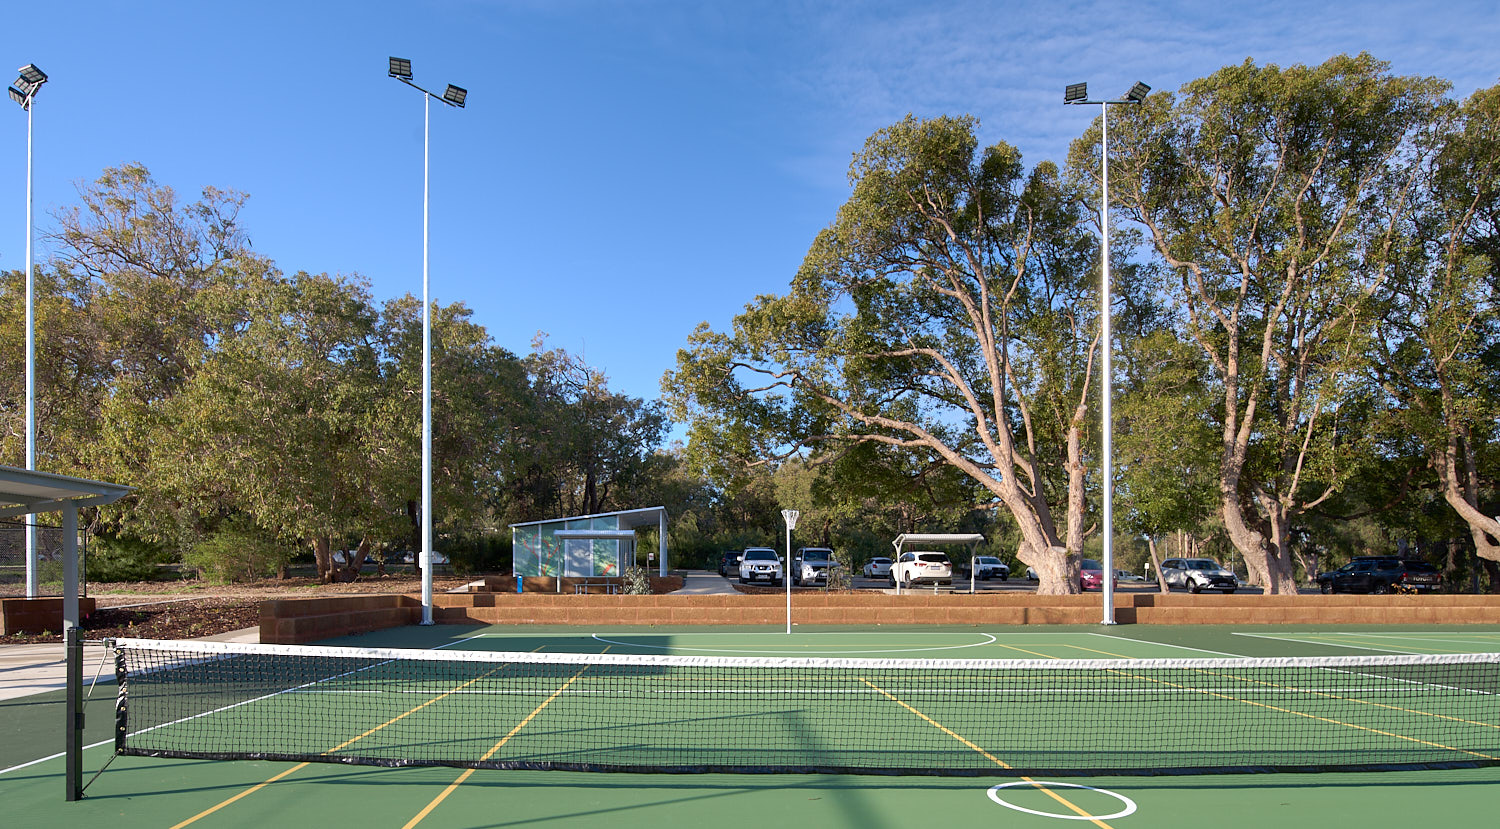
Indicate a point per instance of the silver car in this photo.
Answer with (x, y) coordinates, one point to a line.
(1195, 574)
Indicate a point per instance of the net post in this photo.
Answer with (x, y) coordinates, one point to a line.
(73, 656)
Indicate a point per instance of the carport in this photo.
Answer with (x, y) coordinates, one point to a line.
(971, 540)
(26, 492)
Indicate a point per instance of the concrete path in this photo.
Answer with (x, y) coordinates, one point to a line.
(32, 669)
(704, 583)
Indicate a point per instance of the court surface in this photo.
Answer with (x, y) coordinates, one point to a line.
(136, 791)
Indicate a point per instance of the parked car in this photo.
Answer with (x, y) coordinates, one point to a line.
(1127, 575)
(760, 564)
(810, 565)
(1091, 576)
(729, 563)
(1382, 575)
(984, 569)
(411, 558)
(878, 567)
(922, 567)
(1194, 574)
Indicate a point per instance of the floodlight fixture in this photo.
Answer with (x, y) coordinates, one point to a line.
(20, 97)
(32, 75)
(1075, 93)
(1138, 92)
(455, 95)
(401, 68)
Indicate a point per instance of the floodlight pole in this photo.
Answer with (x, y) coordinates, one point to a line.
(400, 69)
(1078, 94)
(790, 516)
(24, 93)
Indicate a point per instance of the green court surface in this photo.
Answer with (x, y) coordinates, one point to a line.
(901, 720)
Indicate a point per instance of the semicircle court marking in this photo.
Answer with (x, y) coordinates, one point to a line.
(994, 793)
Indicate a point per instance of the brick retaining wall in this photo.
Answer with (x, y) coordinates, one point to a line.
(43, 615)
(294, 621)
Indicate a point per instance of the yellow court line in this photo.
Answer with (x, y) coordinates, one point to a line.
(1370, 703)
(1314, 717)
(452, 787)
(988, 756)
(257, 787)
(246, 793)
(1326, 696)
(1023, 650)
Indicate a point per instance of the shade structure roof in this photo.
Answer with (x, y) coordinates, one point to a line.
(24, 491)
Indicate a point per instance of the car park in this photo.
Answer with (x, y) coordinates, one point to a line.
(922, 567)
(760, 564)
(983, 568)
(810, 566)
(1382, 575)
(729, 563)
(1197, 574)
(878, 567)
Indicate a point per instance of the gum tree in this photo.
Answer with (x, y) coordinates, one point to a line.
(947, 313)
(1273, 196)
(1437, 353)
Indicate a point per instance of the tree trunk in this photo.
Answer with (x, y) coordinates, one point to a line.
(323, 559)
(1161, 580)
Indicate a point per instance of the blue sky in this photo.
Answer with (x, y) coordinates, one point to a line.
(625, 169)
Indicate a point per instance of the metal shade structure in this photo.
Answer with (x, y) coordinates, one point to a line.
(1078, 94)
(27, 492)
(454, 96)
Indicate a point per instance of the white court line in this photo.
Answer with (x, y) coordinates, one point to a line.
(1166, 645)
(1285, 638)
(57, 755)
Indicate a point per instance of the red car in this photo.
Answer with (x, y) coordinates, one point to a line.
(1091, 576)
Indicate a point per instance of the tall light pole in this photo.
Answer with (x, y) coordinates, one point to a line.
(24, 93)
(1078, 93)
(452, 96)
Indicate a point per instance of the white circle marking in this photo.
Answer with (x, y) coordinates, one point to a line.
(1041, 784)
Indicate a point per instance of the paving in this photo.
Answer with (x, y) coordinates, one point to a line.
(32, 669)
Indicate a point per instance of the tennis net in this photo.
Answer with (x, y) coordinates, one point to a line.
(604, 712)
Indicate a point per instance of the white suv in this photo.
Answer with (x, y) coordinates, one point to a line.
(922, 567)
(760, 564)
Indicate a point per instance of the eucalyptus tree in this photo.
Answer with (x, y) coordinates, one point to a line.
(946, 313)
(272, 422)
(598, 442)
(1273, 197)
(1438, 347)
(152, 282)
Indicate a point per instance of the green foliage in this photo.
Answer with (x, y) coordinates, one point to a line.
(115, 558)
(478, 552)
(237, 553)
